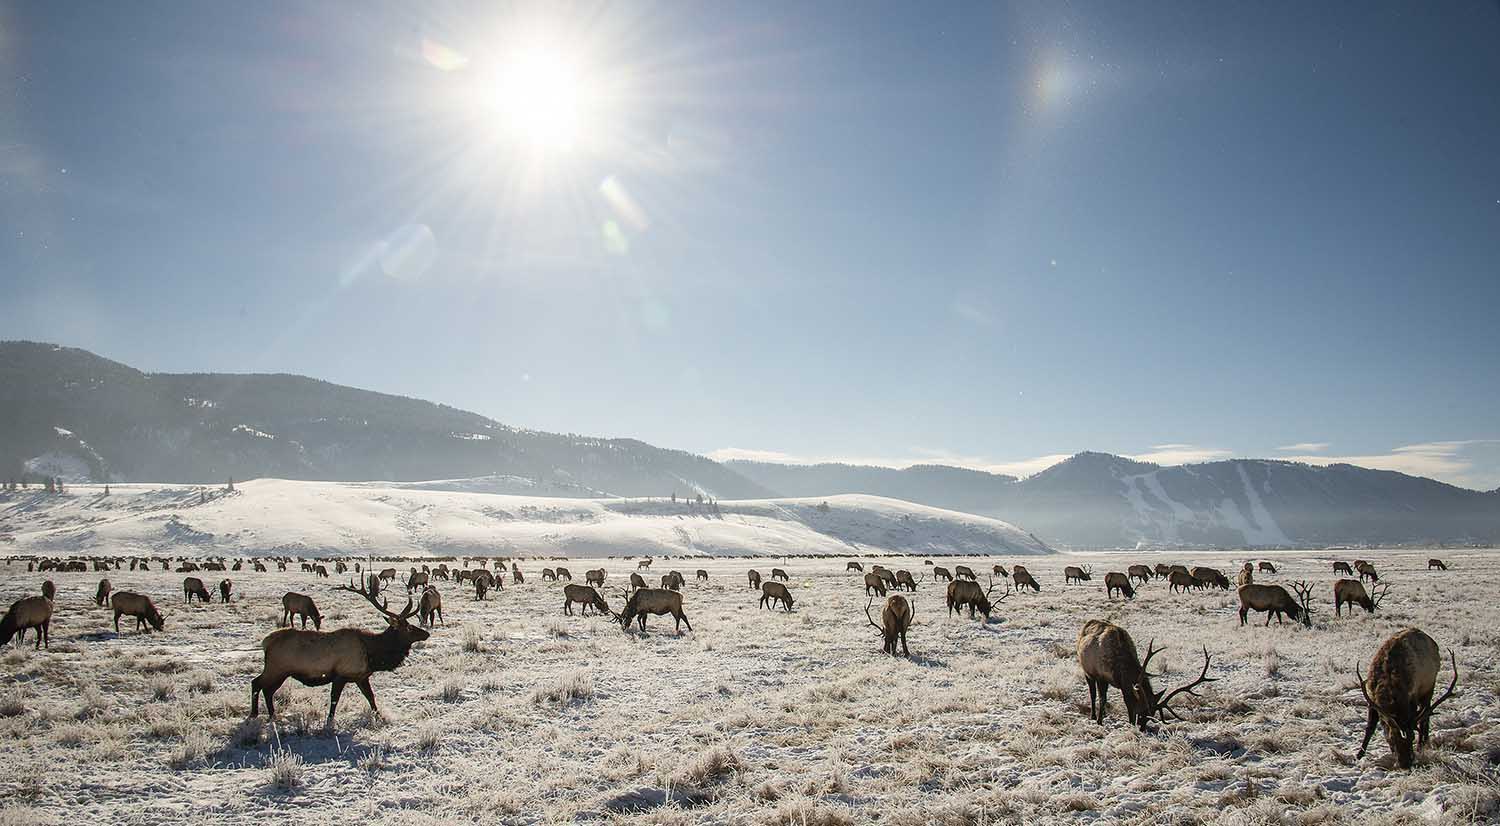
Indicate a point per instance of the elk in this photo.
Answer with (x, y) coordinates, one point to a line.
(645, 563)
(585, 596)
(193, 587)
(1246, 576)
(594, 577)
(348, 655)
(102, 593)
(1436, 563)
(701, 575)
(299, 605)
(886, 576)
(939, 572)
(49, 590)
(516, 575)
(340, 568)
(874, 584)
(1267, 568)
(258, 567)
(387, 574)
(904, 580)
(854, 566)
(1272, 599)
(774, 592)
(754, 577)
(418, 579)
(549, 575)
(564, 573)
(431, 605)
(1352, 592)
(999, 570)
(1108, 657)
(1162, 570)
(895, 618)
(1367, 571)
(1403, 674)
(1343, 568)
(1073, 573)
(672, 581)
(654, 601)
(225, 587)
(636, 580)
(966, 572)
(963, 592)
(1113, 581)
(483, 580)
(24, 613)
(1141, 572)
(139, 606)
(777, 573)
(1024, 579)
(320, 571)
(1179, 581)
(1211, 576)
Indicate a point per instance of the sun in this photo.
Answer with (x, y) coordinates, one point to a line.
(541, 96)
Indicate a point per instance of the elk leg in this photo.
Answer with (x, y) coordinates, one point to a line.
(364, 688)
(333, 700)
(1093, 695)
(117, 622)
(440, 618)
(1422, 732)
(269, 689)
(904, 651)
(1103, 699)
(1369, 730)
(689, 624)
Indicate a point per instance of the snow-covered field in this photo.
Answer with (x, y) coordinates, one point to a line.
(514, 713)
(461, 517)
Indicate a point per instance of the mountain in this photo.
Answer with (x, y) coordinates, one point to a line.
(67, 412)
(1094, 500)
(941, 486)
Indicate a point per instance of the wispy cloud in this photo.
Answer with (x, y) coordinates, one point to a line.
(1471, 463)
(1180, 454)
(1304, 447)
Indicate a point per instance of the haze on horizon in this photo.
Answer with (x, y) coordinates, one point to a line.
(989, 235)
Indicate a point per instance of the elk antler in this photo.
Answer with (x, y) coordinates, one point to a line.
(992, 588)
(872, 619)
(1446, 694)
(1379, 593)
(1162, 702)
(1151, 651)
(370, 592)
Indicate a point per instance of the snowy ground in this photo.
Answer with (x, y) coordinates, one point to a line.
(514, 713)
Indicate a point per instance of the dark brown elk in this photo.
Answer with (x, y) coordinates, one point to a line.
(24, 613)
(964, 593)
(672, 581)
(340, 568)
(895, 619)
(1211, 576)
(585, 596)
(418, 579)
(1436, 563)
(1108, 657)
(656, 601)
(939, 572)
(874, 584)
(225, 588)
(1403, 674)
(483, 581)
(387, 574)
(1352, 592)
(549, 575)
(300, 605)
(966, 572)
(516, 575)
(193, 587)
(1162, 570)
(1141, 572)
(1116, 581)
(645, 563)
(1073, 573)
(1343, 568)
(348, 655)
(102, 593)
(320, 571)
(904, 580)
(1267, 568)
(258, 567)
(139, 606)
(49, 590)
(564, 573)
(854, 566)
(1367, 571)
(1179, 581)
(1272, 599)
(636, 580)
(777, 573)
(886, 576)
(1023, 579)
(701, 575)
(774, 592)
(430, 606)
(1246, 576)
(754, 577)
(594, 577)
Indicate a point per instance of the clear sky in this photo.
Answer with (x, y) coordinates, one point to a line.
(985, 234)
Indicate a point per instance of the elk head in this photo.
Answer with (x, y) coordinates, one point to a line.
(1158, 702)
(399, 627)
(1399, 734)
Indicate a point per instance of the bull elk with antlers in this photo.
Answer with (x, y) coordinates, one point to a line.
(1403, 674)
(193, 587)
(1140, 572)
(348, 655)
(1023, 579)
(895, 619)
(1107, 655)
(939, 572)
(656, 601)
(1274, 600)
(905, 581)
(586, 596)
(1073, 573)
(966, 593)
(965, 572)
(1367, 571)
(636, 580)
(1352, 592)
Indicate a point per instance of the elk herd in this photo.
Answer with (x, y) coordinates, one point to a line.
(1398, 692)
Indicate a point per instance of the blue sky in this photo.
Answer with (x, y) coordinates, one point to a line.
(987, 234)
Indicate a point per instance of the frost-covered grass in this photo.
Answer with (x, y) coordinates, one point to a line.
(514, 713)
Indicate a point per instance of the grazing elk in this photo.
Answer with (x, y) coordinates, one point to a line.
(966, 593)
(895, 619)
(1210, 576)
(225, 587)
(139, 606)
(1162, 570)
(854, 566)
(754, 577)
(387, 575)
(193, 587)
(430, 606)
(586, 596)
(966, 572)
(1000, 571)
(874, 584)
(483, 580)
(1367, 571)
(905, 581)
(637, 581)
(348, 655)
(24, 613)
(1343, 568)
(1272, 599)
(564, 573)
(777, 573)
(49, 590)
(774, 592)
(516, 575)
(1073, 573)
(418, 579)
(258, 567)
(939, 572)
(1403, 674)
(654, 601)
(1116, 581)
(1436, 563)
(1141, 572)
(102, 593)
(701, 575)
(549, 575)
(886, 576)
(321, 571)
(672, 581)
(340, 568)
(1180, 581)
(1267, 568)
(1352, 592)
(594, 577)
(1108, 657)
(295, 605)
(1023, 579)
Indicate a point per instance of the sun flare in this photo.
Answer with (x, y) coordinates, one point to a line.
(542, 96)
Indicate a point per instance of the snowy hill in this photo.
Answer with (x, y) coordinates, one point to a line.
(332, 518)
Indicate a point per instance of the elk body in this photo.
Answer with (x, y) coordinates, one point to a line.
(193, 587)
(430, 606)
(102, 593)
(24, 613)
(1211, 576)
(564, 573)
(139, 606)
(1108, 657)
(774, 592)
(1272, 599)
(904, 580)
(1343, 568)
(966, 572)
(418, 579)
(874, 584)
(636, 580)
(300, 605)
(939, 572)
(1436, 563)
(754, 577)
(1398, 694)
(895, 618)
(963, 593)
(1073, 573)
(549, 575)
(1267, 568)
(225, 587)
(656, 601)
(672, 581)
(701, 575)
(386, 574)
(777, 573)
(348, 655)
(1023, 579)
(1162, 570)
(1366, 571)
(1116, 581)
(1179, 581)
(585, 596)
(594, 577)
(1140, 572)
(1352, 592)
(854, 566)
(49, 590)
(645, 563)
